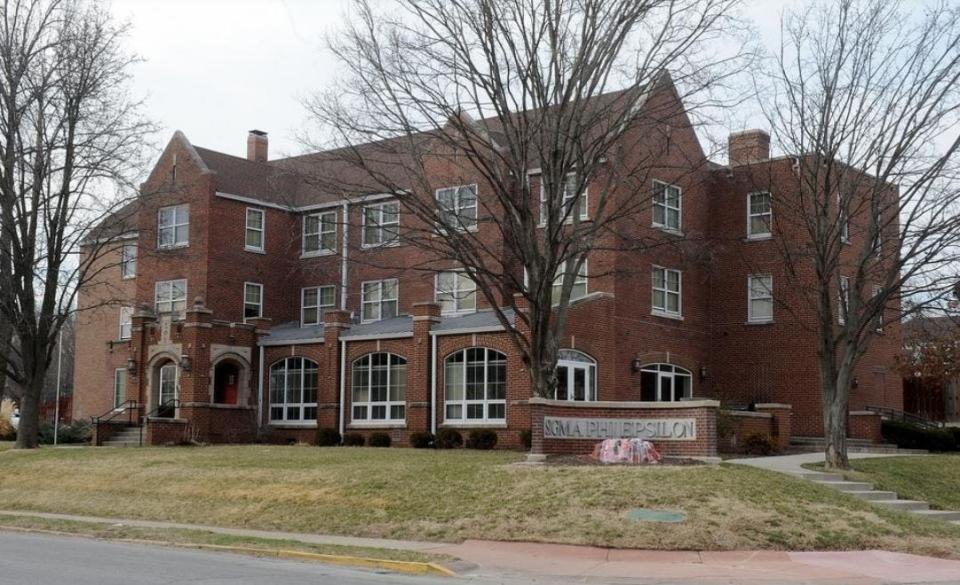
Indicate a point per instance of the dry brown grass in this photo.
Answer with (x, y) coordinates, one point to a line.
(450, 496)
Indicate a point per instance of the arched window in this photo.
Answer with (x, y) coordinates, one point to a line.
(475, 385)
(576, 376)
(665, 383)
(379, 388)
(293, 390)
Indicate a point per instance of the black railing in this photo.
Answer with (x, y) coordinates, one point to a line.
(131, 409)
(166, 409)
(901, 416)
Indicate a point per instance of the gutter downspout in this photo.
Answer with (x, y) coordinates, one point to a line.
(343, 260)
(343, 379)
(433, 383)
(260, 391)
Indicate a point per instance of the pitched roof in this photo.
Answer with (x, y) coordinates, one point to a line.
(931, 327)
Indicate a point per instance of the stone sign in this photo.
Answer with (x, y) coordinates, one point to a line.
(670, 429)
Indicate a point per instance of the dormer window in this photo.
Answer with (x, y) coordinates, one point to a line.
(173, 226)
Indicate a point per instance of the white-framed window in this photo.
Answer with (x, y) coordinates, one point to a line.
(760, 298)
(169, 379)
(455, 292)
(576, 376)
(878, 234)
(314, 302)
(379, 388)
(378, 299)
(252, 300)
(579, 289)
(667, 206)
(126, 323)
(381, 224)
(293, 390)
(119, 387)
(170, 296)
(320, 233)
(475, 385)
(665, 383)
(457, 206)
(173, 226)
(570, 199)
(128, 261)
(759, 215)
(878, 320)
(843, 299)
(667, 286)
(843, 220)
(255, 230)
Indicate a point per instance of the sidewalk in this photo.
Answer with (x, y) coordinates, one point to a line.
(793, 464)
(585, 564)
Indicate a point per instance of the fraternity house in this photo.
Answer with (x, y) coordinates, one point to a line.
(244, 302)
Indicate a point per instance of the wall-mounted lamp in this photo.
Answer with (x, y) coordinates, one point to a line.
(185, 363)
(855, 382)
(132, 366)
(635, 365)
(703, 373)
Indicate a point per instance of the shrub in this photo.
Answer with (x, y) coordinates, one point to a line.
(484, 439)
(380, 440)
(526, 438)
(449, 439)
(7, 432)
(910, 436)
(328, 437)
(421, 440)
(353, 440)
(758, 444)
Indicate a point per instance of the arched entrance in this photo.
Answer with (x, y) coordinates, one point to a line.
(166, 378)
(226, 382)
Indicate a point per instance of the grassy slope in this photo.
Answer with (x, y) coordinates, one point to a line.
(403, 493)
(932, 478)
(4, 445)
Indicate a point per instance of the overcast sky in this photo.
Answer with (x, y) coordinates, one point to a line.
(218, 68)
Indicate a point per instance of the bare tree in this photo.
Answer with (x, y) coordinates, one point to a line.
(866, 95)
(533, 101)
(70, 142)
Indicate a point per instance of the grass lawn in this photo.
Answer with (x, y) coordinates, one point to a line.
(931, 478)
(4, 445)
(455, 495)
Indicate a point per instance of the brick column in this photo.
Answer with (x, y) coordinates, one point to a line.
(335, 324)
(780, 427)
(419, 368)
(195, 339)
(143, 320)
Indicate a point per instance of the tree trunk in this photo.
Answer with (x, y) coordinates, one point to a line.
(835, 434)
(28, 433)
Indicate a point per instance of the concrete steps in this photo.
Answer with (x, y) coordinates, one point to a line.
(129, 437)
(816, 444)
(887, 499)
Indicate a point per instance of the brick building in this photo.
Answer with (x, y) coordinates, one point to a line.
(267, 306)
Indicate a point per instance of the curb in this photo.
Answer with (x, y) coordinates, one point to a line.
(406, 567)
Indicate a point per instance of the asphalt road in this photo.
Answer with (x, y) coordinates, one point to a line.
(35, 559)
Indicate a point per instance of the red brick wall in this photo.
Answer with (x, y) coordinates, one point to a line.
(865, 425)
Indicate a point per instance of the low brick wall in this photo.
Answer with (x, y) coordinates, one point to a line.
(770, 420)
(166, 431)
(691, 426)
(104, 431)
(864, 424)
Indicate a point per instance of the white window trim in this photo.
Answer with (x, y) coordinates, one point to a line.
(363, 299)
(585, 277)
(456, 189)
(119, 374)
(284, 421)
(171, 301)
(662, 226)
(843, 299)
(369, 404)
(262, 229)
(319, 307)
(125, 310)
(486, 402)
(591, 377)
(584, 213)
(173, 227)
(246, 302)
(654, 368)
(363, 225)
(881, 315)
(751, 298)
(750, 215)
(456, 292)
(658, 312)
(303, 240)
(126, 261)
(843, 219)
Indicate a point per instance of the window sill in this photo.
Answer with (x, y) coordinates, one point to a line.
(317, 254)
(665, 315)
(293, 425)
(378, 425)
(177, 247)
(759, 237)
(440, 232)
(457, 313)
(764, 322)
(668, 230)
(132, 277)
(255, 250)
(455, 424)
(374, 247)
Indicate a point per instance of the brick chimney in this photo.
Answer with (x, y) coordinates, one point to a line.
(257, 146)
(747, 147)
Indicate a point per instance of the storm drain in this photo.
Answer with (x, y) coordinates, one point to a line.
(646, 515)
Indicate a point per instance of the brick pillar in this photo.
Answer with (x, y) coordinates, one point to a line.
(335, 324)
(780, 430)
(143, 320)
(195, 339)
(425, 316)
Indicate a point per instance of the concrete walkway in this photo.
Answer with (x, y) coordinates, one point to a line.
(793, 464)
(557, 563)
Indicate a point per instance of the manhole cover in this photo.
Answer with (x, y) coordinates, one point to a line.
(644, 515)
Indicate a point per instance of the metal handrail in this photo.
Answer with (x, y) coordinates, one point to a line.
(172, 403)
(901, 416)
(128, 407)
